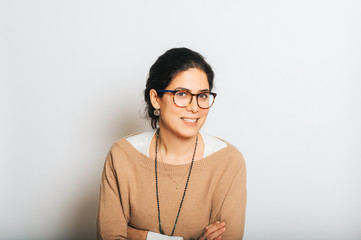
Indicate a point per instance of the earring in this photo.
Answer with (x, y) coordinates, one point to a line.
(156, 112)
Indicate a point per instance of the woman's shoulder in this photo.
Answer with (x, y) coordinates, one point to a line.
(141, 141)
(138, 142)
(214, 144)
(123, 155)
(231, 160)
(221, 150)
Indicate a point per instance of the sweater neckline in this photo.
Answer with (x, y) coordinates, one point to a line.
(197, 165)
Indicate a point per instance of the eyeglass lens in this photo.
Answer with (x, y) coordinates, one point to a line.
(183, 98)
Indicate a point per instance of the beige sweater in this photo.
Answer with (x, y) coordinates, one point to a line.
(216, 192)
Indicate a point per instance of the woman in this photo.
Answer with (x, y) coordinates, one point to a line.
(175, 180)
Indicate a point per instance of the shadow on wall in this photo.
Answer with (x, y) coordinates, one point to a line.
(84, 218)
(84, 215)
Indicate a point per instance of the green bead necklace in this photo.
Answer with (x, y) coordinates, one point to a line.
(185, 189)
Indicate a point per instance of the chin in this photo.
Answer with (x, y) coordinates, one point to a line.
(188, 132)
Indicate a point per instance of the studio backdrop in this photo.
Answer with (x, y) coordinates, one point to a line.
(288, 78)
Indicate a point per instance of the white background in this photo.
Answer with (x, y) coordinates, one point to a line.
(288, 75)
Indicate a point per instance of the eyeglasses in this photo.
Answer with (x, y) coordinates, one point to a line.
(183, 98)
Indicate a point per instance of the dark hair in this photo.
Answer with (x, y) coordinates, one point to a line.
(165, 69)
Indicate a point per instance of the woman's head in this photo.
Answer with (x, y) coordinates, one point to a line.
(166, 69)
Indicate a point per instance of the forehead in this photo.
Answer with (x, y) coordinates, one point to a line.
(192, 79)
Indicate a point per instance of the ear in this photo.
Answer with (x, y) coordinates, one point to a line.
(154, 98)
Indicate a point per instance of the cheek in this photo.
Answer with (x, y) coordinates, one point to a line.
(171, 111)
(205, 112)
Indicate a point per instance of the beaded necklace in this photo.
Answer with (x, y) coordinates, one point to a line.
(156, 185)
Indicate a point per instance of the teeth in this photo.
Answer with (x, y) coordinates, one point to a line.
(190, 120)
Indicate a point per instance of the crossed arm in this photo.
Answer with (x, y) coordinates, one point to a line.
(213, 231)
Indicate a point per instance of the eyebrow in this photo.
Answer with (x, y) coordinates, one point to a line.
(186, 89)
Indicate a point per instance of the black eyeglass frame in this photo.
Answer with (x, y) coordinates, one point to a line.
(193, 94)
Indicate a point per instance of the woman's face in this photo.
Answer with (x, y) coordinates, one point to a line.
(183, 122)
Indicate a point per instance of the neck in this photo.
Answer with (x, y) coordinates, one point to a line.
(175, 149)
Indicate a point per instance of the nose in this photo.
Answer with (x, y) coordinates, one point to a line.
(193, 106)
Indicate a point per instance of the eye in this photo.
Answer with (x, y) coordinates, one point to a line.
(181, 94)
(203, 95)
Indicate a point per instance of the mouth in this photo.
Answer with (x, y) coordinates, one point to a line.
(190, 120)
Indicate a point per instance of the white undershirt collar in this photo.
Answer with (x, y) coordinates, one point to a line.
(142, 141)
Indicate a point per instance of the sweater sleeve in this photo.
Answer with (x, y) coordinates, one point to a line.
(111, 222)
(230, 204)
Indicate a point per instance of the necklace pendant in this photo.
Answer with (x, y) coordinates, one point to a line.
(177, 187)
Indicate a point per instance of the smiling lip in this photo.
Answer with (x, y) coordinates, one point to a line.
(190, 121)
